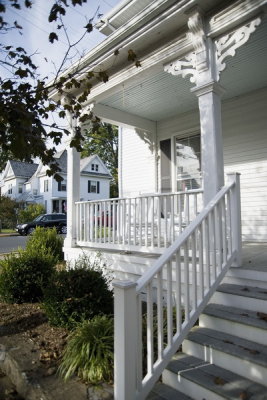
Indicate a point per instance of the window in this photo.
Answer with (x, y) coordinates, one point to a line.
(20, 188)
(94, 167)
(93, 187)
(9, 189)
(62, 186)
(188, 163)
(46, 185)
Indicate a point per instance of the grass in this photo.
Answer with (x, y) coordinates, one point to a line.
(7, 231)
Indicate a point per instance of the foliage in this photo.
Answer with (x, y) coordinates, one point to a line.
(46, 240)
(24, 276)
(8, 216)
(30, 212)
(25, 101)
(104, 142)
(90, 351)
(76, 294)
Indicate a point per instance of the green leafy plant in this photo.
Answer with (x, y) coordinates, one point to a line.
(76, 294)
(89, 351)
(46, 240)
(24, 276)
(30, 212)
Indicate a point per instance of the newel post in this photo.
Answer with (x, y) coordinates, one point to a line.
(236, 217)
(125, 345)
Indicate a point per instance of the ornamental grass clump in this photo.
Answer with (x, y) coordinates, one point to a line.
(89, 352)
(46, 240)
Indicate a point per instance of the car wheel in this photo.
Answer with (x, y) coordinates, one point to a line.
(30, 231)
(63, 230)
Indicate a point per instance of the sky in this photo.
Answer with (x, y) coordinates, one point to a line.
(36, 28)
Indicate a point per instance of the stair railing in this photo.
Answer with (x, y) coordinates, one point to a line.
(154, 315)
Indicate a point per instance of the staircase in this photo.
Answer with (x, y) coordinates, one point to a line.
(225, 357)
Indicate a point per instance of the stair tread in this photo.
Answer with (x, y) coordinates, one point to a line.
(164, 392)
(243, 290)
(230, 344)
(235, 314)
(219, 380)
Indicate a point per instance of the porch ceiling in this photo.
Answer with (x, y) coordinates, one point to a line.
(162, 95)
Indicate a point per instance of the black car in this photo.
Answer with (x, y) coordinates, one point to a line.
(59, 221)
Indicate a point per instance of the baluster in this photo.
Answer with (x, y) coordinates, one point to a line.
(105, 221)
(187, 219)
(160, 315)
(123, 221)
(129, 220)
(110, 225)
(200, 257)
(195, 204)
(152, 220)
(207, 251)
(139, 361)
(178, 292)
(114, 219)
(186, 283)
(135, 219)
(218, 235)
(159, 221)
(146, 221)
(194, 271)
(169, 304)
(224, 232)
(150, 337)
(180, 212)
(100, 223)
(229, 224)
(172, 230)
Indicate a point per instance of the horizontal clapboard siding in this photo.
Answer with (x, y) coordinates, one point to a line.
(244, 122)
(245, 150)
(137, 163)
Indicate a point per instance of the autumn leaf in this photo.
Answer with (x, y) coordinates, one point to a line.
(52, 37)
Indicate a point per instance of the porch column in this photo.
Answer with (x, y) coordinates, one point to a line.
(73, 184)
(209, 101)
(73, 193)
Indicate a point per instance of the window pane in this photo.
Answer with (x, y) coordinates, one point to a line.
(188, 163)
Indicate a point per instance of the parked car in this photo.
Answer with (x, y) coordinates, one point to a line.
(59, 221)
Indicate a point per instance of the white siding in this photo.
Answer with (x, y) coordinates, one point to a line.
(137, 163)
(245, 151)
(103, 188)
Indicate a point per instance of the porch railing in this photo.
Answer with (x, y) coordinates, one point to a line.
(151, 221)
(153, 316)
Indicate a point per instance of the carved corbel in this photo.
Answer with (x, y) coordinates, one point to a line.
(227, 45)
(196, 61)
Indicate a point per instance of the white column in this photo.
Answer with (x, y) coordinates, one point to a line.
(73, 194)
(209, 100)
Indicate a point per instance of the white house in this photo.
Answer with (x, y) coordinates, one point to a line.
(28, 183)
(192, 118)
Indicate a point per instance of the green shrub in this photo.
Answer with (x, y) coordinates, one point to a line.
(30, 212)
(46, 240)
(89, 351)
(77, 294)
(24, 276)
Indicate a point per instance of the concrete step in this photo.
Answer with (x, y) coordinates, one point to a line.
(249, 325)
(201, 380)
(164, 392)
(249, 276)
(247, 358)
(241, 296)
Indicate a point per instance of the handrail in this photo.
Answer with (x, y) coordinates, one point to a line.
(153, 316)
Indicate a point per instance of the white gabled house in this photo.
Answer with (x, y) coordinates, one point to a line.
(28, 183)
(193, 136)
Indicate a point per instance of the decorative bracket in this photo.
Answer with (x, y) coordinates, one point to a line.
(184, 66)
(226, 46)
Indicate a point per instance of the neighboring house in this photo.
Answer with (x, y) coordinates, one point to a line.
(28, 183)
(191, 117)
